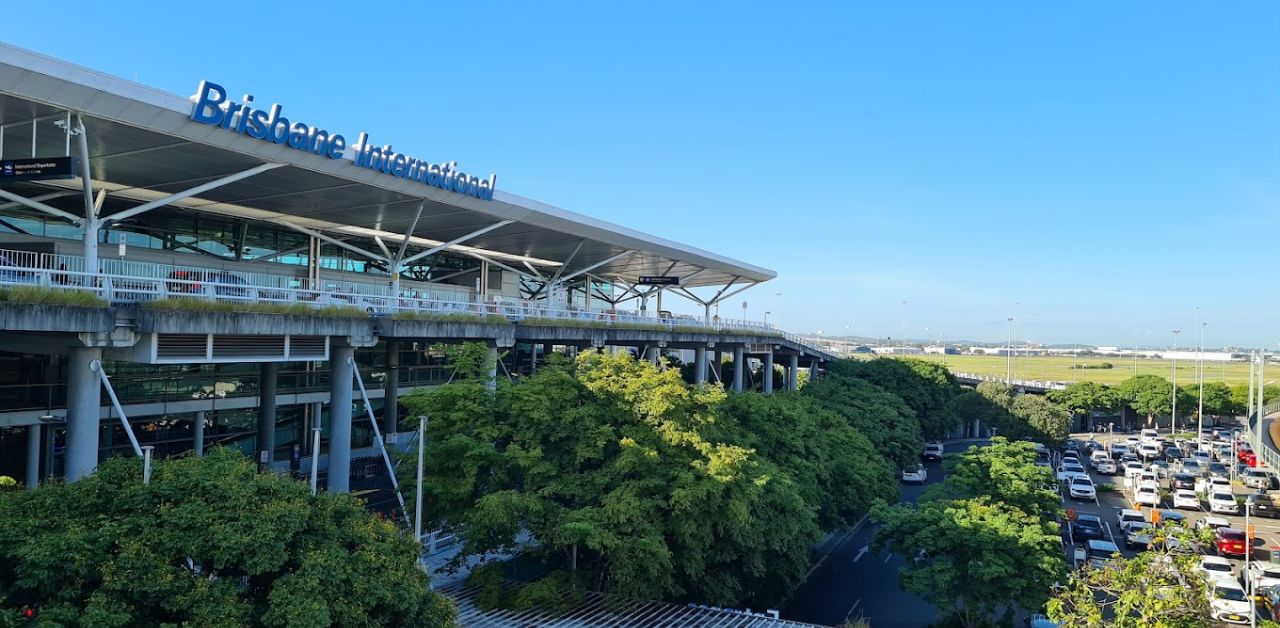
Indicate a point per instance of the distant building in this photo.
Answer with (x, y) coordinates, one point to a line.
(941, 350)
(897, 350)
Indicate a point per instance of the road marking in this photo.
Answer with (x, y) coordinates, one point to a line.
(1113, 537)
(886, 558)
(862, 552)
(814, 567)
(852, 608)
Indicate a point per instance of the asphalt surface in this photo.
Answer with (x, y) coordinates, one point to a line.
(849, 579)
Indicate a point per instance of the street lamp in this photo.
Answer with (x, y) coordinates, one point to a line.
(766, 317)
(1200, 374)
(1173, 421)
(779, 308)
(1008, 373)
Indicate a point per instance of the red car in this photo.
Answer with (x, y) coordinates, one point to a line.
(1249, 458)
(1229, 542)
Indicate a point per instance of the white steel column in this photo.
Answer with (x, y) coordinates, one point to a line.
(33, 456)
(739, 363)
(700, 365)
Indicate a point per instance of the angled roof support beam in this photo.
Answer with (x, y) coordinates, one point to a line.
(565, 265)
(533, 270)
(596, 265)
(333, 241)
(689, 295)
(404, 244)
(383, 247)
(267, 258)
(459, 240)
(716, 298)
(722, 298)
(457, 274)
(38, 199)
(205, 187)
(482, 258)
(38, 206)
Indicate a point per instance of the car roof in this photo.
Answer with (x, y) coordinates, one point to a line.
(1103, 545)
(1088, 517)
(1214, 559)
(1129, 511)
(1215, 520)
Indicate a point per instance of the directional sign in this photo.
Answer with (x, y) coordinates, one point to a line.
(43, 168)
(657, 280)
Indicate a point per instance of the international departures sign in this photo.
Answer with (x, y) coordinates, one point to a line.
(38, 168)
(212, 107)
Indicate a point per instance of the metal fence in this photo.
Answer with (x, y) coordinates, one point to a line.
(1261, 442)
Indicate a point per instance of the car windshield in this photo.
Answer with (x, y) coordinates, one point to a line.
(1229, 593)
(1146, 489)
(1223, 497)
(1271, 572)
(1224, 567)
(1080, 480)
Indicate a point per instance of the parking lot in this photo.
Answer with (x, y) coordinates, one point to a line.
(1108, 504)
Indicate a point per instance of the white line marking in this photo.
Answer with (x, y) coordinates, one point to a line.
(852, 608)
(886, 558)
(814, 567)
(862, 552)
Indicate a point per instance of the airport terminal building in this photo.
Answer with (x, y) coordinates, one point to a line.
(186, 271)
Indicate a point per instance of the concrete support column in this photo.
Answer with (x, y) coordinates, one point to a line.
(717, 363)
(317, 412)
(267, 372)
(197, 434)
(793, 373)
(491, 363)
(700, 365)
(766, 383)
(652, 354)
(547, 349)
(739, 365)
(33, 456)
(84, 397)
(342, 379)
(533, 358)
(813, 370)
(977, 428)
(391, 389)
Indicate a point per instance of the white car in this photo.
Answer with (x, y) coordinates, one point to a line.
(1105, 467)
(1128, 516)
(1219, 485)
(1185, 498)
(1258, 478)
(1211, 523)
(1217, 568)
(1149, 451)
(1263, 574)
(1149, 496)
(1229, 603)
(1067, 470)
(1224, 503)
(1119, 449)
(1132, 442)
(1132, 469)
(1081, 487)
(915, 476)
(1202, 457)
(1147, 478)
(933, 451)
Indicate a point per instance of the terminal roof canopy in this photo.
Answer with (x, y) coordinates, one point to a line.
(143, 146)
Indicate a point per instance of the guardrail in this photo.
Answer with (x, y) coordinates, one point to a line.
(138, 282)
(1261, 441)
(1025, 383)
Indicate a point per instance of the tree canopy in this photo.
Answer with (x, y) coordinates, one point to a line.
(892, 427)
(1152, 395)
(926, 387)
(208, 542)
(1006, 471)
(1085, 397)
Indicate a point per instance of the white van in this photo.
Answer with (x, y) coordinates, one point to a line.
(1149, 436)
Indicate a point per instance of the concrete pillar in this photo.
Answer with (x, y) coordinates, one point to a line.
(197, 434)
(533, 358)
(813, 371)
(84, 397)
(317, 412)
(33, 456)
(766, 384)
(391, 389)
(717, 364)
(547, 349)
(652, 354)
(700, 365)
(793, 373)
(341, 381)
(739, 364)
(491, 363)
(267, 372)
(977, 428)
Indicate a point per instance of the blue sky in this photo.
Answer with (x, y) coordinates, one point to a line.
(1107, 168)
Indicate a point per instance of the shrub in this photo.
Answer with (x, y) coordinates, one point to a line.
(51, 296)
(250, 307)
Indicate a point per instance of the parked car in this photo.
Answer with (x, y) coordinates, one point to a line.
(1149, 451)
(1066, 471)
(1219, 470)
(1229, 603)
(1105, 467)
(1217, 568)
(1262, 573)
(1118, 450)
(1147, 496)
(1182, 480)
(1186, 498)
(1173, 454)
(933, 451)
(1264, 505)
(916, 475)
(1147, 478)
(195, 282)
(1192, 467)
(1160, 468)
(1229, 542)
(1224, 503)
(1211, 523)
(1138, 534)
(1081, 487)
(1148, 435)
(1098, 554)
(1087, 527)
(1129, 515)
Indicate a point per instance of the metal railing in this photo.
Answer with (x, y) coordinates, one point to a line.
(135, 282)
(1267, 449)
(1025, 383)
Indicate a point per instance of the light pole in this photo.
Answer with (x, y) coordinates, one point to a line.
(1008, 369)
(1200, 375)
(766, 317)
(744, 310)
(779, 308)
(904, 323)
(1173, 420)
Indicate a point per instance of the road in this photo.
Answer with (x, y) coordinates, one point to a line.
(849, 579)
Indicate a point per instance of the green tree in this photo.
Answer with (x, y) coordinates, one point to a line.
(834, 466)
(1159, 587)
(998, 393)
(1218, 400)
(1085, 397)
(1005, 471)
(926, 387)
(890, 425)
(973, 556)
(1046, 421)
(1148, 395)
(209, 542)
(969, 406)
(625, 477)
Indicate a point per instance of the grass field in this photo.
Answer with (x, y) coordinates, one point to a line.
(1058, 368)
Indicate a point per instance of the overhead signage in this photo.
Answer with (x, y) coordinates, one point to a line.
(42, 168)
(658, 280)
(212, 107)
